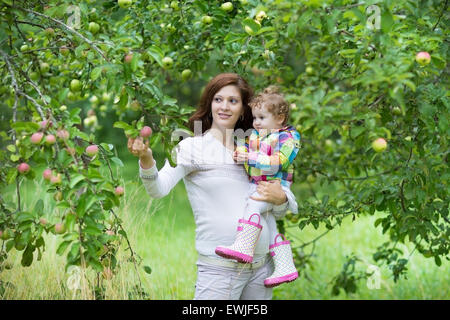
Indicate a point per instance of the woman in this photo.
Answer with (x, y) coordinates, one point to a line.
(217, 189)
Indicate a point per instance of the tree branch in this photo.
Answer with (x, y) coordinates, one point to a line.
(440, 16)
(66, 27)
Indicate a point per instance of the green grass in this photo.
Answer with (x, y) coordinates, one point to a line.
(162, 232)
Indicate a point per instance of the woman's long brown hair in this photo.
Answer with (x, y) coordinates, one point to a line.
(218, 82)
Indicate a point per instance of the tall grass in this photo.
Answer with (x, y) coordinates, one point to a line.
(162, 233)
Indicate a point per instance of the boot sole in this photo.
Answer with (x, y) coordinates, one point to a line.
(270, 283)
(231, 254)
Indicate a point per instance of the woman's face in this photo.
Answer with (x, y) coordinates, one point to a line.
(226, 107)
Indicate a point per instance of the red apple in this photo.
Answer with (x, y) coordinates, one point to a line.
(146, 132)
(71, 151)
(63, 134)
(119, 191)
(43, 221)
(50, 139)
(128, 58)
(56, 179)
(92, 150)
(47, 174)
(60, 228)
(423, 58)
(36, 137)
(23, 168)
(44, 124)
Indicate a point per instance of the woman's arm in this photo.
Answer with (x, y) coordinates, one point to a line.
(157, 183)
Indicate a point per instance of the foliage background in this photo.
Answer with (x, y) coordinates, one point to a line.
(348, 84)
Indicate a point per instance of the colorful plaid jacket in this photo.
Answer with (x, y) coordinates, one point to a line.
(271, 157)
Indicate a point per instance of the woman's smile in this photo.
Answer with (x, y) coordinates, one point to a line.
(224, 115)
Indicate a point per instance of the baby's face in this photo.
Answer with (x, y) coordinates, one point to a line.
(263, 119)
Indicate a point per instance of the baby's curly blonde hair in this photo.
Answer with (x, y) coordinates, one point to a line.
(273, 100)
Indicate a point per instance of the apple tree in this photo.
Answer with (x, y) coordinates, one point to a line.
(366, 82)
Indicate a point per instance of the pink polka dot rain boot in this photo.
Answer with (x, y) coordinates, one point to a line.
(244, 245)
(284, 263)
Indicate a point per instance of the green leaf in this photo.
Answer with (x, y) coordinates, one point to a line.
(24, 216)
(117, 161)
(11, 148)
(63, 204)
(252, 25)
(168, 101)
(92, 230)
(134, 62)
(63, 247)
(75, 179)
(96, 72)
(122, 125)
(157, 54)
(12, 174)
(74, 252)
(147, 269)
(438, 261)
(123, 100)
(386, 20)
(27, 257)
(39, 207)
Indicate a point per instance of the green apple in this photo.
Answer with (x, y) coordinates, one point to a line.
(309, 70)
(64, 50)
(6, 234)
(125, 3)
(311, 178)
(90, 121)
(397, 111)
(93, 100)
(34, 75)
(379, 145)
(49, 32)
(106, 96)
(174, 5)
(23, 48)
(45, 67)
(186, 74)
(206, 19)
(94, 27)
(249, 30)
(75, 85)
(227, 6)
(260, 16)
(167, 62)
(135, 106)
(266, 54)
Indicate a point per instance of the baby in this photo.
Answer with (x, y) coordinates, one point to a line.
(272, 147)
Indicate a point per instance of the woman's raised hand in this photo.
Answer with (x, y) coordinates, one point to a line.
(138, 148)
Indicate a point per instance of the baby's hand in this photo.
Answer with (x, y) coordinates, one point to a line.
(240, 157)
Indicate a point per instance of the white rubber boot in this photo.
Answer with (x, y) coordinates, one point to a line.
(243, 247)
(284, 263)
